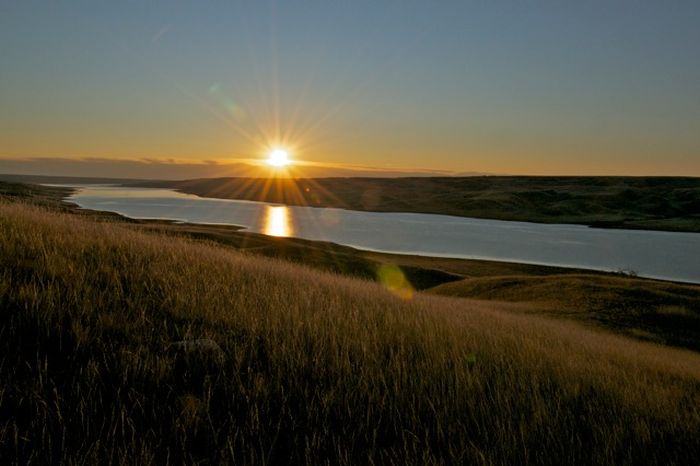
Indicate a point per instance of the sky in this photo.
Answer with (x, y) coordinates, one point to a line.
(509, 87)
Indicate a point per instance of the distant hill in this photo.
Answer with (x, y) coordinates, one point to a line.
(654, 203)
(47, 179)
(180, 170)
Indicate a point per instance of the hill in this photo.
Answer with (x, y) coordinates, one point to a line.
(652, 203)
(101, 363)
(664, 312)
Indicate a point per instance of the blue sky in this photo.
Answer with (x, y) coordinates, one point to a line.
(518, 87)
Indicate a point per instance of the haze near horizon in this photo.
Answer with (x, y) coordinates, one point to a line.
(363, 88)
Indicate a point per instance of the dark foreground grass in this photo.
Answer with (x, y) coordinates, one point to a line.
(314, 368)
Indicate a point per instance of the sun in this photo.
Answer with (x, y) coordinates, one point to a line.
(278, 158)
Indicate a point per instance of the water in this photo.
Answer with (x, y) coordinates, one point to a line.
(666, 255)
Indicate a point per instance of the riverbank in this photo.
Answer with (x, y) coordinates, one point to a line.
(575, 246)
(645, 203)
(424, 271)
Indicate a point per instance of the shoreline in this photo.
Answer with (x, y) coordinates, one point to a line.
(622, 264)
(387, 254)
(670, 204)
(444, 266)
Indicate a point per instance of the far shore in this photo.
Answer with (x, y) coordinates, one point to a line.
(644, 203)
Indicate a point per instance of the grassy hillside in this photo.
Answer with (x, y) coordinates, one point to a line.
(654, 203)
(44, 196)
(422, 272)
(659, 311)
(313, 367)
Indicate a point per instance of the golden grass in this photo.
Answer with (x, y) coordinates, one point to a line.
(317, 368)
(653, 310)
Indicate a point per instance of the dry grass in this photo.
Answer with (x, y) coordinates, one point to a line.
(664, 312)
(316, 368)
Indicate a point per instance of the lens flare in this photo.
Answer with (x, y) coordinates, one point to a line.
(393, 279)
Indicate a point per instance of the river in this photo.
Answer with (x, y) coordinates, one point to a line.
(655, 254)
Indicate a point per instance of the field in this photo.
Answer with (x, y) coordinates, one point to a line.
(652, 203)
(646, 309)
(303, 366)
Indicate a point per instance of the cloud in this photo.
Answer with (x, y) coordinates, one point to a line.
(159, 35)
(160, 169)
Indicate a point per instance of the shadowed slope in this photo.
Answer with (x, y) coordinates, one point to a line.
(659, 311)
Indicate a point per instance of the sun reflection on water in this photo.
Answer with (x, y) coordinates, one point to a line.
(278, 221)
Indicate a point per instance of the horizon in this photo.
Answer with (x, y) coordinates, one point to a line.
(362, 89)
(154, 170)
